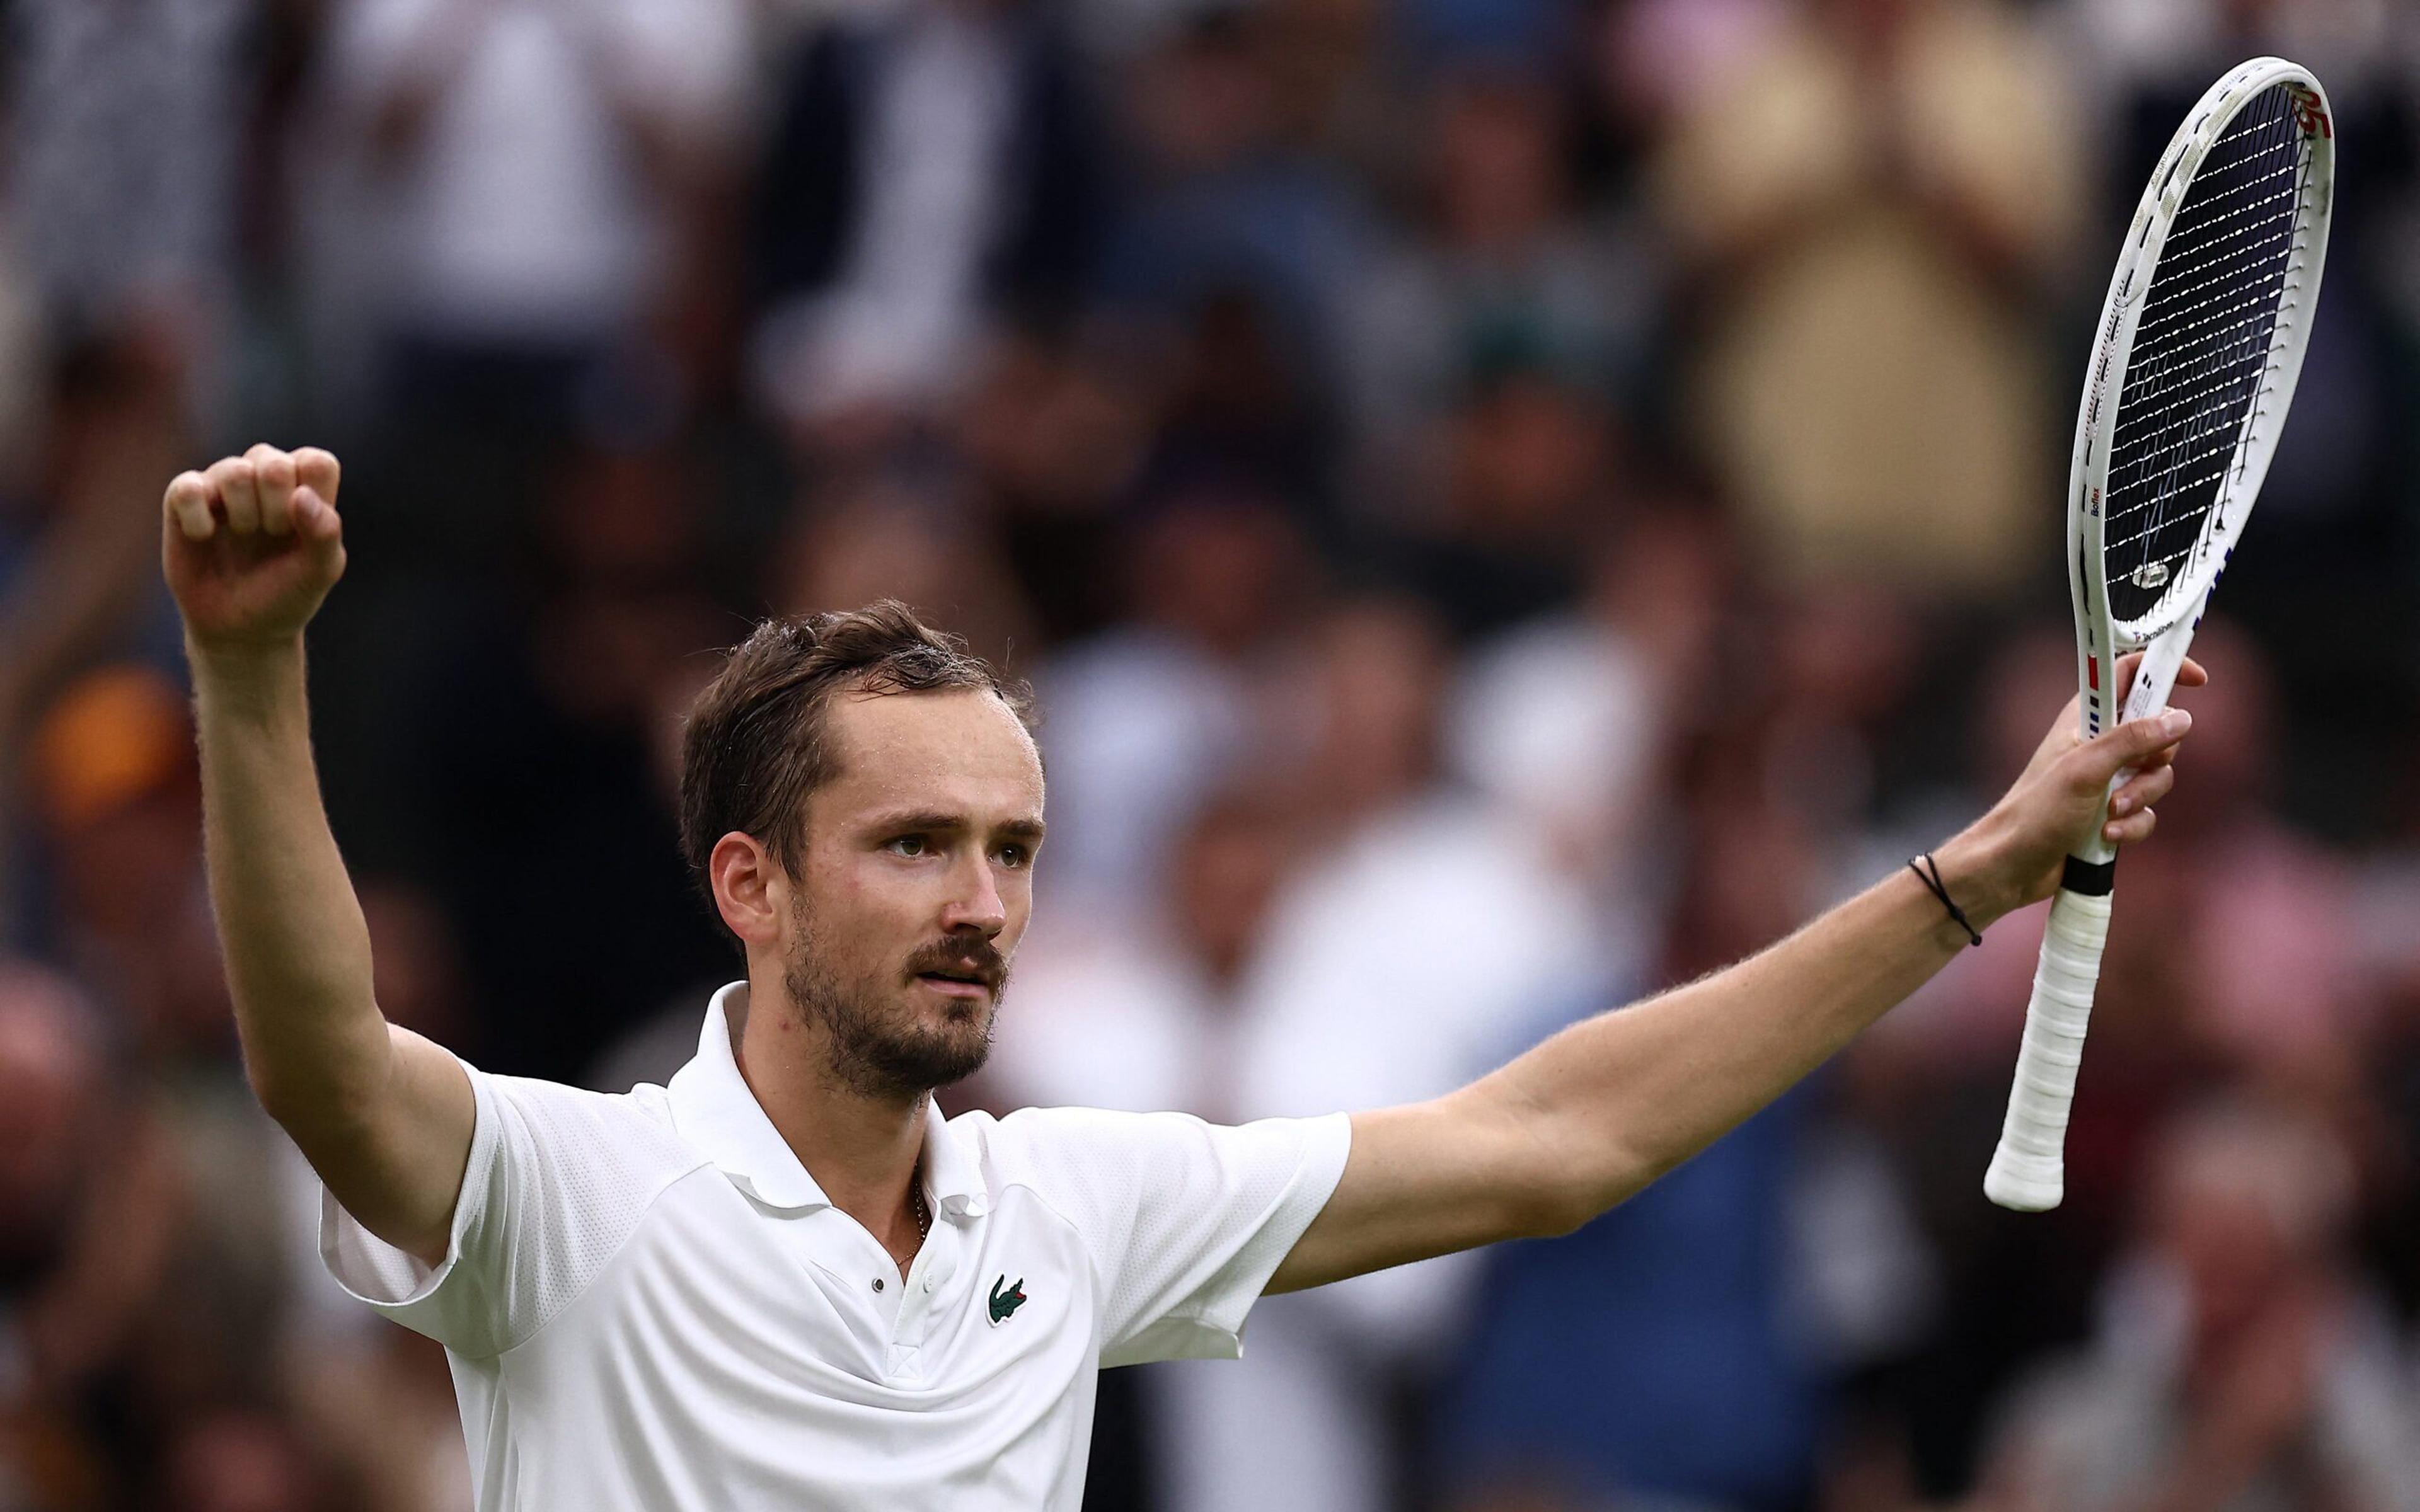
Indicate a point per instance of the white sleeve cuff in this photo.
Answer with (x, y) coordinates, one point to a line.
(394, 1281)
(1327, 1142)
(1212, 1327)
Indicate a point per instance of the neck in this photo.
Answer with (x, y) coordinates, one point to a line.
(862, 1150)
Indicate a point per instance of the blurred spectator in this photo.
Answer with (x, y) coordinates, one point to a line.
(112, 780)
(913, 539)
(930, 166)
(1522, 460)
(379, 1411)
(1484, 354)
(1246, 394)
(2274, 988)
(120, 179)
(1143, 723)
(239, 1461)
(1052, 425)
(1656, 57)
(79, 550)
(181, 1290)
(1505, 262)
(543, 740)
(89, 1199)
(1871, 204)
(1418, 938)
(21, 370)
(1056, 429)
(1567, 720)
(537, 171)
(1239, 237)
(2239, 1361)
(1146, 1016)
(1652, 1358)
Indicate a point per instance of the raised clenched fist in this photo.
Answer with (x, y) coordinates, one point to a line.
(251, 546)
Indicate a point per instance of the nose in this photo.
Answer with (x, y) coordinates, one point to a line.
(975, 902)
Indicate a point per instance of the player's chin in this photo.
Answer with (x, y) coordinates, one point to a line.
(949, 1044)
(924, 1058)
(953, 1012)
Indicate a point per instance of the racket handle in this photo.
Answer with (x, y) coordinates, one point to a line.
(2026, 1171)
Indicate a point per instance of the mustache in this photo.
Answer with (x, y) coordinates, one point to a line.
(974, 957)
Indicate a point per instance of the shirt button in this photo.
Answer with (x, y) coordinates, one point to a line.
(877, 1283)
(928, 1283)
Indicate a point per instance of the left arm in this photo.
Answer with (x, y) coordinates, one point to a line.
(1600, 1110)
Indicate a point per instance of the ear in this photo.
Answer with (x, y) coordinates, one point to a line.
(750, 891)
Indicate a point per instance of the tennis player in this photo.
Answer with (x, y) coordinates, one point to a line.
(786, 1280)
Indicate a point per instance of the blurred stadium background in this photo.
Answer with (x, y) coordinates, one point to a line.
(1509, 503)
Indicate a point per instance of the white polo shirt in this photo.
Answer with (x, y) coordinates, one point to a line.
(649, 1304)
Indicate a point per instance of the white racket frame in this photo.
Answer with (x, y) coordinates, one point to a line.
(2027, 1170)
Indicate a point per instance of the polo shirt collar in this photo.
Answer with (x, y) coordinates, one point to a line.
(714, 1110)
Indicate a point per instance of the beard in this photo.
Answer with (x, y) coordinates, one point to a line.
(879, 1047)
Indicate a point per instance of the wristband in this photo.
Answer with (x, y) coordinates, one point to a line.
(1932, 880)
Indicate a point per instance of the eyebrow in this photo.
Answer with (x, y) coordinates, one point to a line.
(1024, 829)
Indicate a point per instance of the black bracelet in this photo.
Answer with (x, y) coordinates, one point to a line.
(1932, 880)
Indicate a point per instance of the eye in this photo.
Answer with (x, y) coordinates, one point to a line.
(909, 845)
(1015, 856)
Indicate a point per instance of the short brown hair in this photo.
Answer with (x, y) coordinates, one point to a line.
(755, 742)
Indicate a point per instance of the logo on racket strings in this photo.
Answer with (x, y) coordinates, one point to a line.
(2309, 114)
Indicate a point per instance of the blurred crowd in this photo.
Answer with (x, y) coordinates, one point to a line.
(1508, 504)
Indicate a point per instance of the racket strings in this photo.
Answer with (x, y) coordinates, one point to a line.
(2182, 460)
(2185, 422)
(2226, 274)
(2193, 278)
(2147, 570)
(2169, 414)
(2249, 165)
(2222, 280)
(2259, 320)
(2248, 217)
(2240, 292)
(2253, 126)
(2174, 430)
(2201, 352)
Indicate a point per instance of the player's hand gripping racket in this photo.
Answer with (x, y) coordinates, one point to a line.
(2199, 345)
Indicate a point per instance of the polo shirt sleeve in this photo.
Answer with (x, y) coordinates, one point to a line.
(556, 1181)
(1185, 1220)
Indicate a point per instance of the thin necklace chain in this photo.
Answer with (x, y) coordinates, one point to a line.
(923, 1213)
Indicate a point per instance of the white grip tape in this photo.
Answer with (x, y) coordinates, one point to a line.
(2027, 1169)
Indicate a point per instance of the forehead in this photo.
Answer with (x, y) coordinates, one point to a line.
(961, 752)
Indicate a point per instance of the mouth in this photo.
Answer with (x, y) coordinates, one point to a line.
(955, 984)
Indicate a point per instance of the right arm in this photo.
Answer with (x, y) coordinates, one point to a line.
(1588, 1118)
(250, 549)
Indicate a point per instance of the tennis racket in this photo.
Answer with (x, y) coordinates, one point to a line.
(2200, 344)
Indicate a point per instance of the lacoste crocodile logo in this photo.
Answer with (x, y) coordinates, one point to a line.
(1006, 1297)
